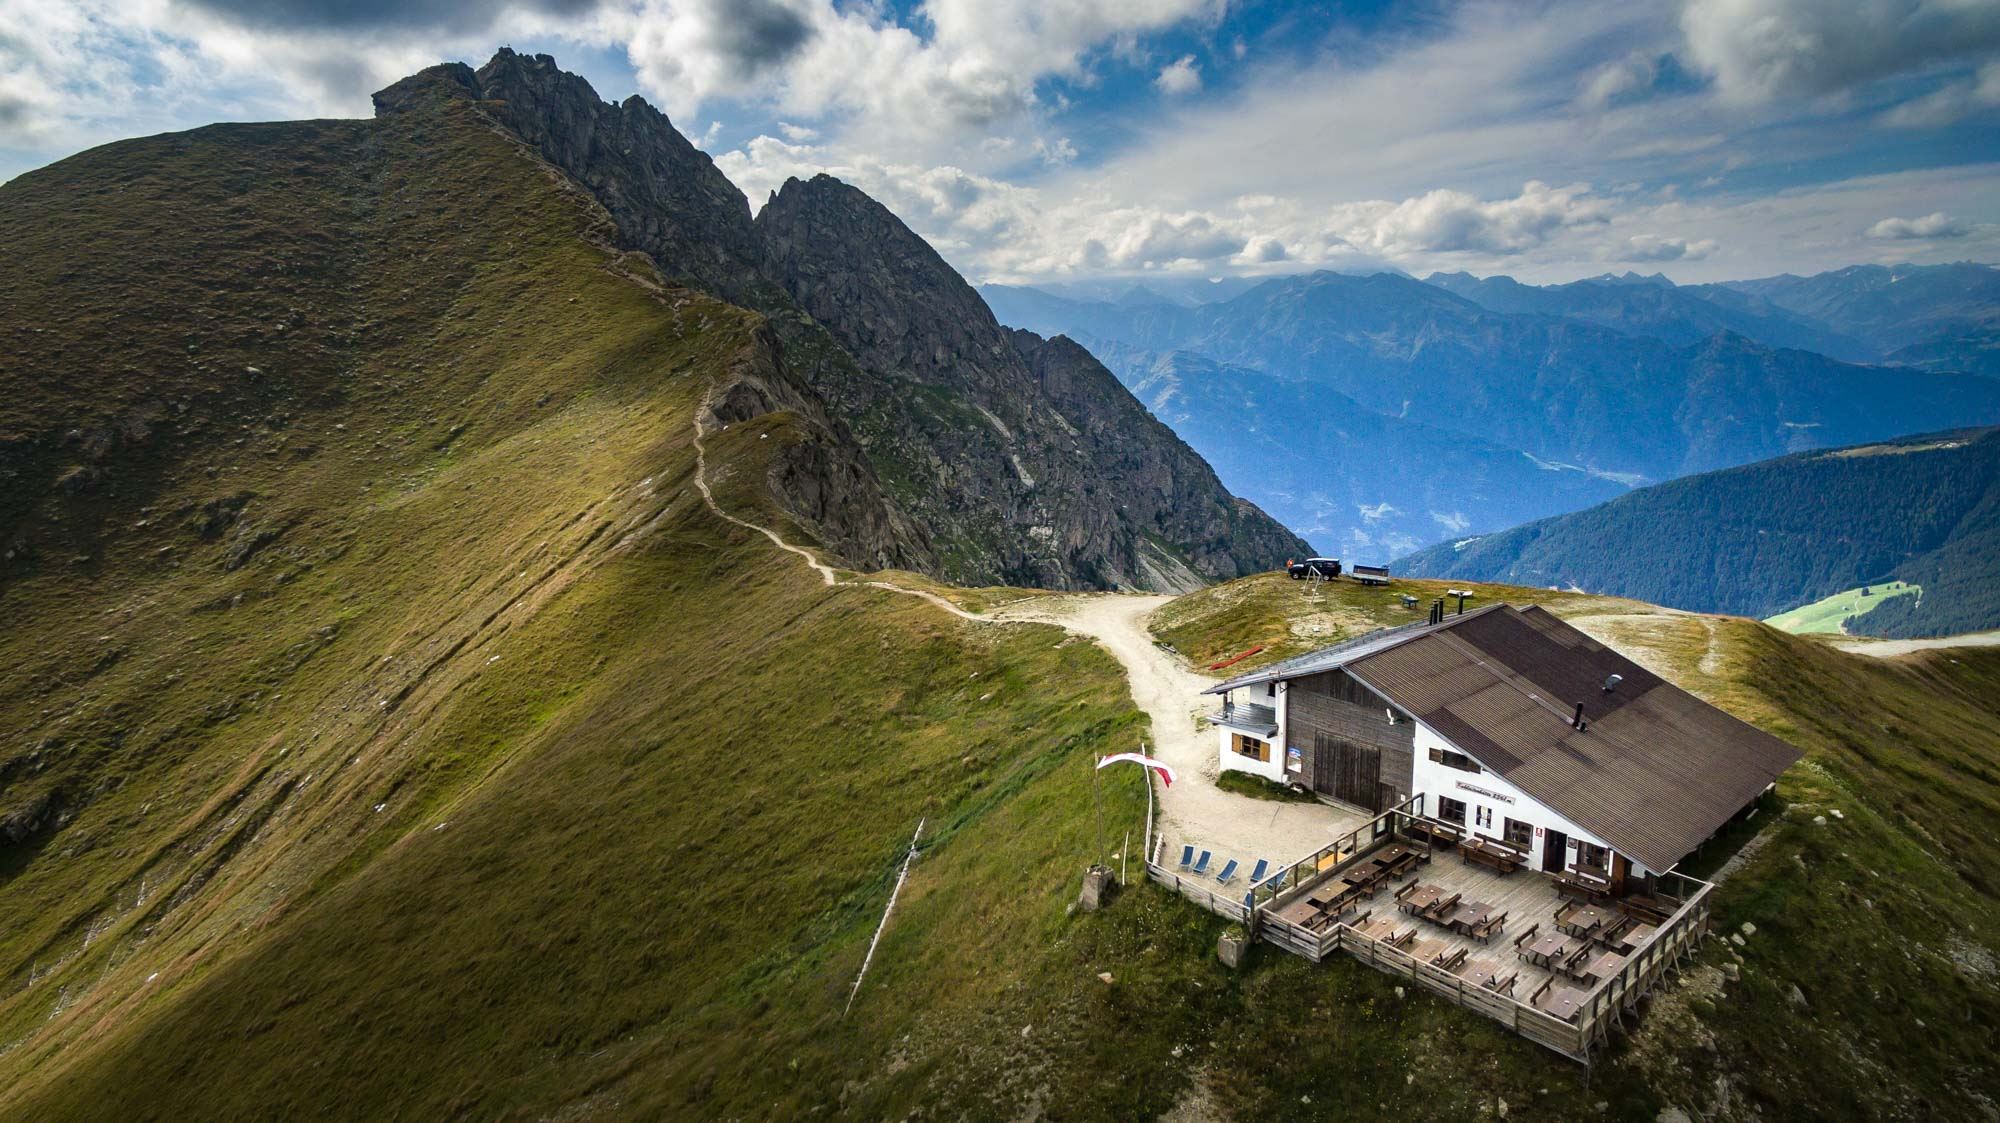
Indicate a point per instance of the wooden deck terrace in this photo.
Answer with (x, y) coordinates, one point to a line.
(1360, 895)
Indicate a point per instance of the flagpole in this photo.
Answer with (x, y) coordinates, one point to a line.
(1147, 774)
(1098, 799)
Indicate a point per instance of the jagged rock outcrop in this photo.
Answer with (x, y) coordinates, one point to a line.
(1017, 434)
(1171, 491)
(925, 401)
(665, 195)
(665, 198)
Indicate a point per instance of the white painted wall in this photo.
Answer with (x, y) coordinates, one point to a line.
(1273, 770)
(1229, 759)
(1436, 780)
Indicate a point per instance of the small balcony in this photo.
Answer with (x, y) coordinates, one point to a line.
(1247, 717)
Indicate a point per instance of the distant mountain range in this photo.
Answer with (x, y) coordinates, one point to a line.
(1767, 537)
(1323, 462)
(1613, 381)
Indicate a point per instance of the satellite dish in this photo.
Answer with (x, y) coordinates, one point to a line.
(1611, 684)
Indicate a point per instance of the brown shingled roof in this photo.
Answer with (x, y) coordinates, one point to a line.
(1656, 772)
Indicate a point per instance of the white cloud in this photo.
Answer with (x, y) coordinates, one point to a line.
(1937, 224)
(901, 93)
(1055, 152)
(1951, 102)
(1182, 76)
(1653, 248)
(1633, 73)
(1376, 512)
(1763, 49)
(1446, 221)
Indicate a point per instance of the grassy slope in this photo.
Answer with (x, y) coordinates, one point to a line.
(630, 865)
(509, 776)
(1883, 917)
(1827, 615)
(1287, 617)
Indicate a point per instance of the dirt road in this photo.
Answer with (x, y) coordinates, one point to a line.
(1885, 648)
(1193, 810)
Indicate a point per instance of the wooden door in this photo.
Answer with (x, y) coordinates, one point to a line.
(1346, 771)
(1555, 851)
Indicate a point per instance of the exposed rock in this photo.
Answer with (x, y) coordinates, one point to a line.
(982, 439)
(1016, 432)
(39, 813)
(666, 198)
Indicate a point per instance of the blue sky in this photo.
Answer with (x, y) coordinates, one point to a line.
(1082, 139)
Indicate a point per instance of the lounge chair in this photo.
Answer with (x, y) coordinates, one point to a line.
(1187, 856)
(1228, 871)
(1257, 875)
(1202, 866)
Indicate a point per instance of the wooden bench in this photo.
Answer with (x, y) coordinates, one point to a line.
(1583, 885)
(1488, 928)
(1500, 859)
(1438, 912)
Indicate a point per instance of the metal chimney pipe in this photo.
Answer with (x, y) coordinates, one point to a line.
(1578, 721)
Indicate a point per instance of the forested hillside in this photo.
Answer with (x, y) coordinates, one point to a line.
(1768, 537)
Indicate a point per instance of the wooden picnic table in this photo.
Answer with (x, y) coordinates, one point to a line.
(1587, 920)
(1425, 947)
(1467, 914)
(1600, 967)
(1479, 972)
(1636, 935)
(1564, 1002)
(1549, 946)
(1421, 898)
(1377, 928)
(1391, 854)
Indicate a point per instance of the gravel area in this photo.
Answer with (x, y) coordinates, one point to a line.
(1192, 811)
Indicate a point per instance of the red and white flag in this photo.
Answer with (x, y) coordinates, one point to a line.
(1160, 766)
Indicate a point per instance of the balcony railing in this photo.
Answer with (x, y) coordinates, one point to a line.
(1246, 716)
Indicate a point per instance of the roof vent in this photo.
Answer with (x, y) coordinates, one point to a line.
(1611, 684)
(1577, 722)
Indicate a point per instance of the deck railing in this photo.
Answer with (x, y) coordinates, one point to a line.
(1258, 910)
(1574, 1038)
(1283, 887)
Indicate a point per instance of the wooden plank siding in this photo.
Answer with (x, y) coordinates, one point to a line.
(1332, 709)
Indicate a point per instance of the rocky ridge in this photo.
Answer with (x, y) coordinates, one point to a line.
(982, 477)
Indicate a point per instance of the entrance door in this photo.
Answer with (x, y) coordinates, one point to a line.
(1555, 851)
(1346, 771)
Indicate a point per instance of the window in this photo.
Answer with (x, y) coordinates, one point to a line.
(1520, 834)
(1483, 816)
(1451, 810)
(1270, 690)
(1252, 747)
(1453, 760)
(1593, 857)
